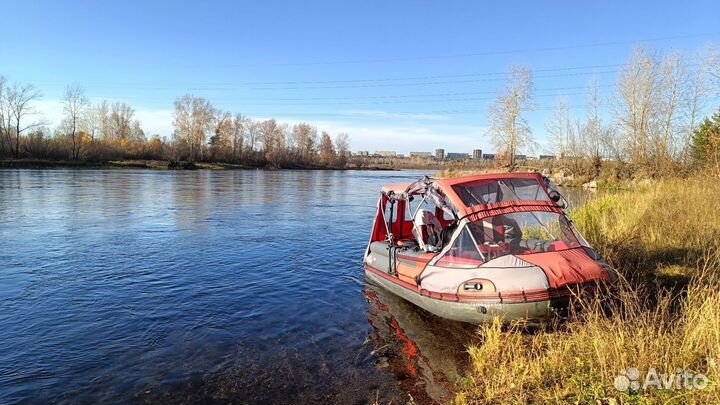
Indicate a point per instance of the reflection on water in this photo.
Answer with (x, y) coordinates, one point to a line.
(205, 287)
(427, 352)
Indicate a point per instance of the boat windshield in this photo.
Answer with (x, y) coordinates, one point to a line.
(515, 233)
(490, 191)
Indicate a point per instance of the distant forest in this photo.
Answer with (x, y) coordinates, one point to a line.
(202, 133)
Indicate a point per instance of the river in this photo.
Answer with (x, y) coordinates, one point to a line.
(203, 287)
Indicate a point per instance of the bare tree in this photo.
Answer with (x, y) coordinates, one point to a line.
(103, 117)
(559, 126)
(194, 118)
(252, 135)
(222, 135)
(120, 122)
(593, 130)
(509, 129)
(713, 65)
(696, 91)
(4, 124)
(238, 135)
(74, 105)
(636, 104)
(671, 81)
(342, 148)
(18, 99)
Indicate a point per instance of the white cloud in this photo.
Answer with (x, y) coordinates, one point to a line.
(391, 131)
(152, 121)
(50, 111)
(156, 122)
(407, 138)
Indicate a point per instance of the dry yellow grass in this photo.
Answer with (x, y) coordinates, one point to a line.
(665, 242)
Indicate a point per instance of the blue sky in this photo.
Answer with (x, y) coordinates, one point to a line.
(395, 75)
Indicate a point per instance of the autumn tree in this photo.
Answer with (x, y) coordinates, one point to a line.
(327, 150)
(305, 138)
(273, 140)
(74, 105)
(509, 129)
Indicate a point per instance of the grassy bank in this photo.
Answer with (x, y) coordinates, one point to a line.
(665, 241)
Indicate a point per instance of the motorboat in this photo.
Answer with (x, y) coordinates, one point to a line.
(474, 248)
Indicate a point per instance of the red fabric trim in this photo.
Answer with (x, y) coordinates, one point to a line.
(508, 297)
(421, 259)
(508, 207)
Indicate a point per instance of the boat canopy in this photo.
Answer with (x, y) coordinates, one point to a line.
(485, 202)
(470, 195)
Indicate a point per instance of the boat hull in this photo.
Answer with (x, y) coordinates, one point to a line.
(475, 312)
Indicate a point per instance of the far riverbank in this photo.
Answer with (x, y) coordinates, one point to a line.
(161, 165)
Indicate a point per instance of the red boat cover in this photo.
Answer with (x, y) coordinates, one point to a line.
(566, 267)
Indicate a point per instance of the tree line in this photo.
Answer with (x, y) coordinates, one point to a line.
(652, 124)
(104, 131)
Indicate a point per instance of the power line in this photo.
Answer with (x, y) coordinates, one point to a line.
(427, 83)
(215, 85)
(450, 94)
(329, 100)
(404, 113)
(390, 102)
(473, 53)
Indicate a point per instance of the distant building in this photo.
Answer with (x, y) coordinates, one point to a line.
(362, 153)
(488, 156)
(422, 155)
(400, 156)
(477, 154)
(546, 157)
(456, 156)
(520, 157)
(440, 154)
(385, 153)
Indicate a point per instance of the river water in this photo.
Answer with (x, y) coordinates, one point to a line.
(207, 287)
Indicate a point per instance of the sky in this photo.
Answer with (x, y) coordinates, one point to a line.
(399, 75)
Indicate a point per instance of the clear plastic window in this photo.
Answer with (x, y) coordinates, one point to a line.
(494, 191)
(517, 233)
